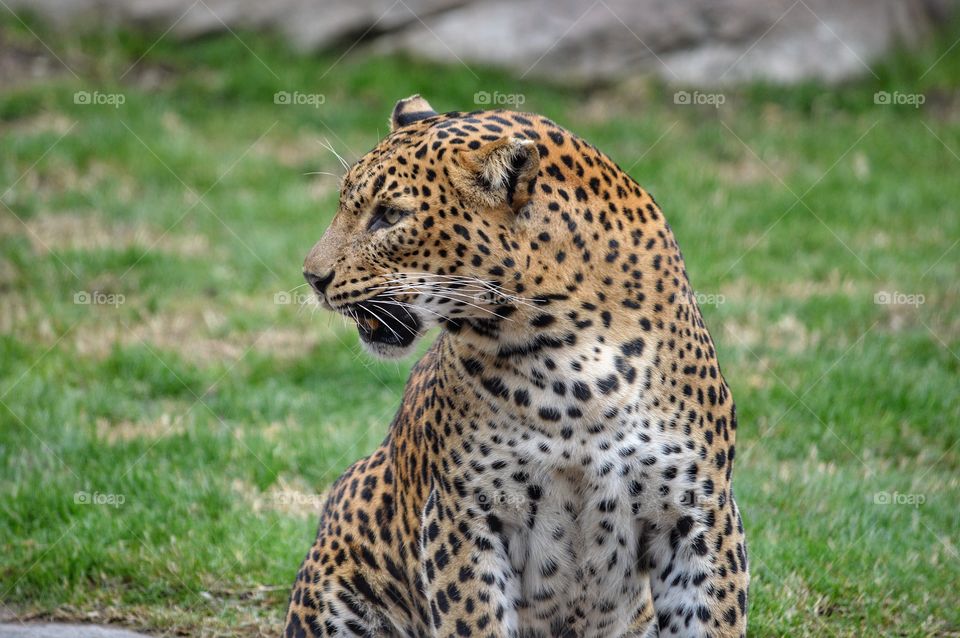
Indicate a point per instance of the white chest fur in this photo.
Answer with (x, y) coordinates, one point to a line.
(574, 515)
(575, 479)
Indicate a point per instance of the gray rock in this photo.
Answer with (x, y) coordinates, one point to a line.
(694, 42)
(56, 630)
(698, 42)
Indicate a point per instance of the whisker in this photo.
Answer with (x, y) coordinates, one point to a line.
(387, 325)
(333, 175)
(417, 333)
(447, 297)
(452, 285)
(327, 145)
(454, 296)
(406, 307)
(460, 280)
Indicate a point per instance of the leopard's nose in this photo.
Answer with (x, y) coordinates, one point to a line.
(318, 282)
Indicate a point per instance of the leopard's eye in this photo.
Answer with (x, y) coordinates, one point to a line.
(385, 217)
(392, 216)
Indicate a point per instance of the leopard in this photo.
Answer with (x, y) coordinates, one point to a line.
(560, 464)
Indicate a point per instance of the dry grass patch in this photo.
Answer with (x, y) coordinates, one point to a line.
(8, 274)
(929, 308)
(166, 425)
(190, 338)
(197, 334)
(745, 291)
(749, 169)
(294, 498)
(57, 177)
(197, 330)
(45, 122)
(74, 231)
(297, 152)
(15, 314)
(788, 333)
(255, 614)
(609, 103)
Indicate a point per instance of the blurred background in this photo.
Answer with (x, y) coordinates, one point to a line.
(172, 406)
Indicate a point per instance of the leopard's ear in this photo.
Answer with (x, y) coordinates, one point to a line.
(409, 110)
(498, 173)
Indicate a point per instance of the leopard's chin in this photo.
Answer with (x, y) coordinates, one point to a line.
(387, 351)
(386, 332)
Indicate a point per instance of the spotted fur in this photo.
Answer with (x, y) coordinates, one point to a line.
(561, 461)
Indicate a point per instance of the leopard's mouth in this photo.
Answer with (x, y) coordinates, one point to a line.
(378, 323)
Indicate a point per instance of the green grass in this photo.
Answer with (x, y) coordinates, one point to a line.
(218, 415)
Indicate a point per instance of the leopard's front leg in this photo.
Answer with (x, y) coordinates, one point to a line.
(699, 573)
(468, 581)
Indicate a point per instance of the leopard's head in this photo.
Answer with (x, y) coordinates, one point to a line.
(428, 229)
